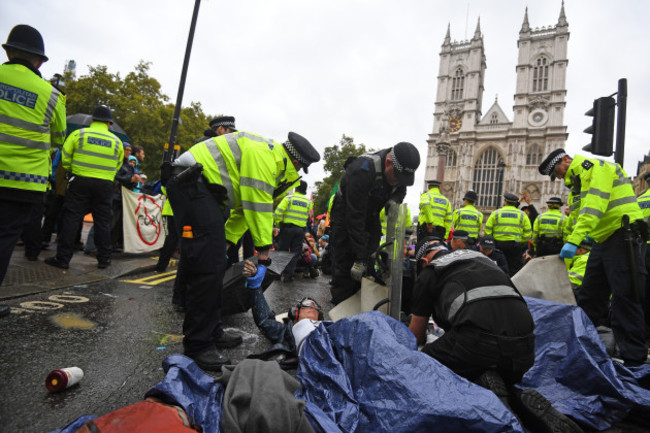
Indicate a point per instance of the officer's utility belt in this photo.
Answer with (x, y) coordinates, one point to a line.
(290, 226)
(481, 293)
(640, 228)
(193, 175)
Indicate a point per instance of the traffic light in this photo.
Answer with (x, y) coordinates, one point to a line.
(602, 127)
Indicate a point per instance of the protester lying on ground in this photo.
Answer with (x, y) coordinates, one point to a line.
(488, 328)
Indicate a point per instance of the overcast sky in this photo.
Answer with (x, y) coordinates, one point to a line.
(364, 68)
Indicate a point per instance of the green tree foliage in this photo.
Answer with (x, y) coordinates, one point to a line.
(139, 107)
(335, 158)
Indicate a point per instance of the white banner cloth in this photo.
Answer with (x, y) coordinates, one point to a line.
(142, 221)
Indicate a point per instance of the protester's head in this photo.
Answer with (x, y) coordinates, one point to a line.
(307, 308)
(133, 161)
(302, 188)
(470, 197)
(486, 245)
(460, 240)
(102, 113)
(555, 164)
(138, 152)
(324, 240)
(400, 164)
(554, 203)
(26, 43)
(127, 149)
(302, 153)
(223, 125)
(510, 199)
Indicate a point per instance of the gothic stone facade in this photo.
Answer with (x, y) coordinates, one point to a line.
(491, 154)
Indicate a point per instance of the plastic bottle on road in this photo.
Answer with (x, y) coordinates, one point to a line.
(63, 378)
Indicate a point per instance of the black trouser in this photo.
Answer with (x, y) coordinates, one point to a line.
(53, 211)
(548, 246)
(513, 251)
(471, 352)
(204, 262)
(249, 249)
(13, 217)
(170, 245)
(608, 272)
(291, 239)
(31, 235)
(86, 194)
(117, 223)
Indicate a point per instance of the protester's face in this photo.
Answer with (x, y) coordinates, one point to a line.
(127, 152)
(132, 163)
(486, 251)
(140, 155)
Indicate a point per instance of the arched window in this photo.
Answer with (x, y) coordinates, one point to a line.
(494, 119)
(534, 155)
(488, 178)
(451, 158)
(540, 75)
(457, 85)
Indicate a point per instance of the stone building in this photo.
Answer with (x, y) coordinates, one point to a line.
(490, 153)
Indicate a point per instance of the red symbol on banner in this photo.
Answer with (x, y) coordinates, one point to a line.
(147, 220)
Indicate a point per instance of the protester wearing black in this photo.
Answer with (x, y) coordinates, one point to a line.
(486, 246)
(370, 182)
(488, 335)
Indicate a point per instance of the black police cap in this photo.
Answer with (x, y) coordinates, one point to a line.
(433, 182)
(471, 196)
(301, 150)
(487, 242)
(424, 246)
(225, 121)
(547, 167)
(511, 198)
(461, 234)
(406, 159)
(26, 38)
(103, 114)
(555, 200)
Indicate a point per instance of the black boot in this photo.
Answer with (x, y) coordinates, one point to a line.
(539, 415)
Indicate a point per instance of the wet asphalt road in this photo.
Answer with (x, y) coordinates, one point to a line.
(118, 332)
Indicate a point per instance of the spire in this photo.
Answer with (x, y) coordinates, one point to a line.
(562, 22)
(525, 27)
(477, 32)
(448, 36)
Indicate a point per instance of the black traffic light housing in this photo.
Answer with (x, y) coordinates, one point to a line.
(602, 127)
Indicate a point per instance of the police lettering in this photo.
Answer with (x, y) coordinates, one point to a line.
(18, 96)
(439, 200)
(549, 221)
(509, 215)
(298, 203)
(468, 217)
(100, 142)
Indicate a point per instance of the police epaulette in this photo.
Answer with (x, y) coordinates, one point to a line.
(587, 164)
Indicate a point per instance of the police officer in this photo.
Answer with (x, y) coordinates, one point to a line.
(468, 218)
(291, 216)
(241, 171)
(511, 229)
(488, 328)
(606, 202)
(369, 183)
(459, 240)
(32, 118)
(487, 247)
(644, 204)
(219, 126)
(547, 229)
(435, 210)
(92, 155)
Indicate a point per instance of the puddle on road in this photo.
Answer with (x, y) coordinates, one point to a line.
(72, 320)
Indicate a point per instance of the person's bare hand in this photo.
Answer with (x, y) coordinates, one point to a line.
(249, 269)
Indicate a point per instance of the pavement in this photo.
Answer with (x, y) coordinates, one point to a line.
(28, 278)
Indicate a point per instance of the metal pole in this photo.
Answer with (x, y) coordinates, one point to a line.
(181, 86)
(621, 100)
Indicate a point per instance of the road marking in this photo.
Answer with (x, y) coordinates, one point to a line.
(72, 320)
(41, 305)
(72, 299)
(153, 280)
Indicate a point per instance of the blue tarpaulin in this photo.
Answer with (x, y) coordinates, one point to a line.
(364, 374)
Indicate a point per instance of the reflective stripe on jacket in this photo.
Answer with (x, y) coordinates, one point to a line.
(508, 224)
(250, 167)
(32, 118)
(576, 268)
(468, 218)
(294, 209)
(93, 152)
(435, 209)
(605, 195)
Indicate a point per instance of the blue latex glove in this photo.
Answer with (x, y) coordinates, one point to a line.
(568, 251)
(255, 281)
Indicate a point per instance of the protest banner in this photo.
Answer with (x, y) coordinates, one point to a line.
(142, 221)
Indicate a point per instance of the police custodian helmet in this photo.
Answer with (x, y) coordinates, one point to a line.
(26, 38)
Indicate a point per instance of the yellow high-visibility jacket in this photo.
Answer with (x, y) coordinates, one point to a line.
(93, 152)
(294, 209)
(508, 224)
(605, 195)
(468, 218)
(548, 224)
(435, 209)
(250, 167)
(32, 118)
